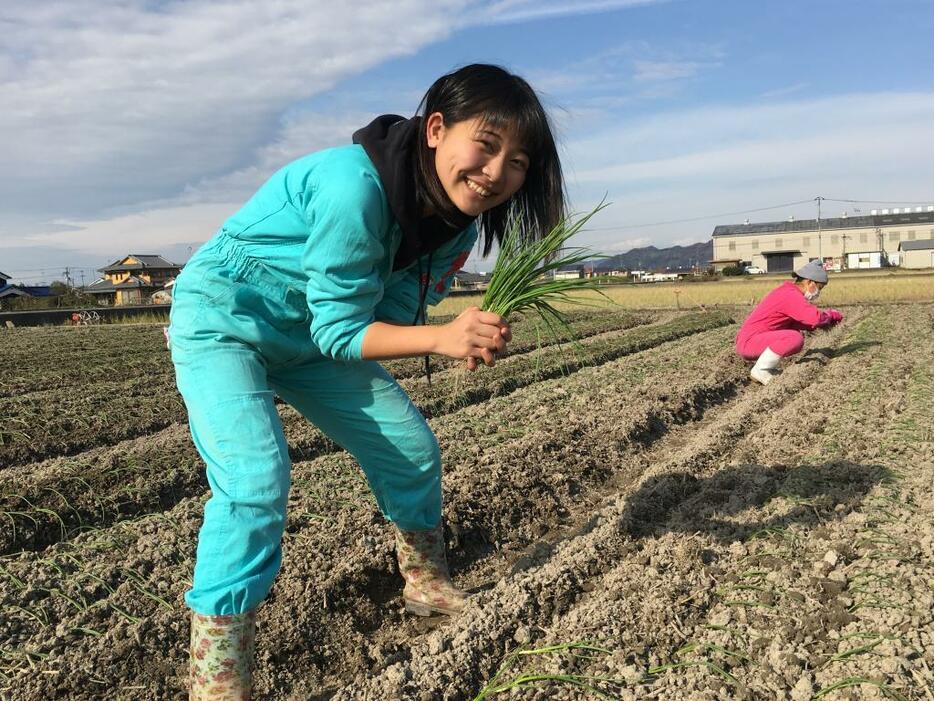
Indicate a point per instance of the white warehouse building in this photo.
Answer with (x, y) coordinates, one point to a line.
(869, 241)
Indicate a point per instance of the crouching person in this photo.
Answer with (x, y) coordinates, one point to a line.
(775, 328)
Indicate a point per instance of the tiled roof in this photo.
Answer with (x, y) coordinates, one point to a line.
(152, 262)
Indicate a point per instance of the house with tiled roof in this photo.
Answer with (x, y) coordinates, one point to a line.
(464, 280)
(133, 279)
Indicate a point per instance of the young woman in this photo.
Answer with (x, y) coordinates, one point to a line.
(775, 328)
(323, 272)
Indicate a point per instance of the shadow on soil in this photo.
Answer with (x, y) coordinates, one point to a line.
(824, 354)
(808, 495)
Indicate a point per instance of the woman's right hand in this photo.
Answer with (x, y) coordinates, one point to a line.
(474, 335)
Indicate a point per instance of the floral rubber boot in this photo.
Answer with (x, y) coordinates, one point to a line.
(222, 656)
(428, 586)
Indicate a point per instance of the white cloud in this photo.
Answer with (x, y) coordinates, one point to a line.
(787, 90)
(623, 245)
(508, 11)
(647, 71)
(695, 162)
(115, 102)
(135, 118)
(144, 231)
(828, 136)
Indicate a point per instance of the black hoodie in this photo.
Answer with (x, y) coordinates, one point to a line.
(390, 142)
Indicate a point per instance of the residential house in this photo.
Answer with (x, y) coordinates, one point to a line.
(464, 280)
(133, 279)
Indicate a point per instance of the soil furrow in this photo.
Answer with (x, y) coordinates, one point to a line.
(104, 485)
(308, 510)
(701, 559)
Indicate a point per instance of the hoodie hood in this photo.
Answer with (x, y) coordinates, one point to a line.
(390, 142)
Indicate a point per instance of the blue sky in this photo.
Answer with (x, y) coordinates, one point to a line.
(139, 126)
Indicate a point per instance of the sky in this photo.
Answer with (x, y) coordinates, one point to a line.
(138, 126)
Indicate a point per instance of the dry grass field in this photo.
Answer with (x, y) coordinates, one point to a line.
(858, 287)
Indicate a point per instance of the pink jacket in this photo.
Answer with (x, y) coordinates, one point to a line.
(783, 308)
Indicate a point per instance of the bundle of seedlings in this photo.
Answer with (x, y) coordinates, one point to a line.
(524, 277)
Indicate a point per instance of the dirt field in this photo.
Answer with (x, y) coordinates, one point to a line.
(630, 506)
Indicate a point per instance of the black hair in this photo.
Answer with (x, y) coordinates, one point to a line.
(503, 100)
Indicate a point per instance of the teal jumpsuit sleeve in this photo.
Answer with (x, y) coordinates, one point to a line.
(400, 300)
(348, 219)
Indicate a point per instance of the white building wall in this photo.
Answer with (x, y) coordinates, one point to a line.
(917, 260)
(864, 260)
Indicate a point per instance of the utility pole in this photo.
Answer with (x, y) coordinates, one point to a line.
(820, 251)
(68, 277)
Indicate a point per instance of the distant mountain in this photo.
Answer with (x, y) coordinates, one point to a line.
(652, 258)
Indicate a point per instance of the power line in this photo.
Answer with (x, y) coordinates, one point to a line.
(752, 211)
(692, 219)
(55, 268)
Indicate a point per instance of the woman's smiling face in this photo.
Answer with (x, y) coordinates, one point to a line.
(480, 166)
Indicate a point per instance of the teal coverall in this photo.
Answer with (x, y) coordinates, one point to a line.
(277, 303)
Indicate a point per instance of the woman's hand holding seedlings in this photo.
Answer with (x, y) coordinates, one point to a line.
(474, 335)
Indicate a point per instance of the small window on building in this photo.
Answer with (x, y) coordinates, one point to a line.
(911, 235)
(864, 237)
(805, 241)
(834, 240)
(864, 260)
(778, 243)
(755, 244)
(731, 246)
(893, 236)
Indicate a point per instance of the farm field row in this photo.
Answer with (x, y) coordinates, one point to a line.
(65, 413)
(708, 536)
(76, 359)
(47, 501)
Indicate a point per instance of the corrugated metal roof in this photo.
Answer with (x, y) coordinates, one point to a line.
(11, 291)
(5, 276)
(921, 245)
(802, 225)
